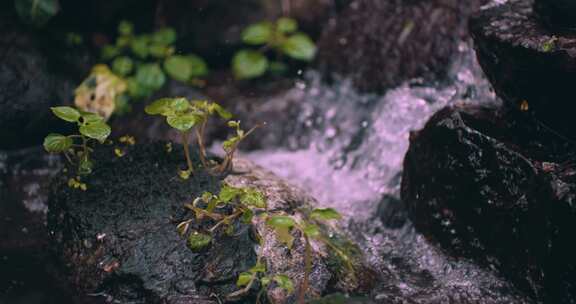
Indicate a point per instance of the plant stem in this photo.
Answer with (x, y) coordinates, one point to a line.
(187, 151)
(226, 219)
(307, 270)
(200, 137)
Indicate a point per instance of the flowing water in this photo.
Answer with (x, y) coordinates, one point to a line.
(347, 151)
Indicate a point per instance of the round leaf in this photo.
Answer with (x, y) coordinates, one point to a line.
(287, 25)
(259, 33)
(254, 198)
(139, 46)
(182, 122)
(57, 143)
(198, 241)
(244, 279)
(122, 65)
(299, 46)
(159, 106)
(109, 51)
(97, 130)
(249, 64)
(325, 214)
(178, 67)
(179, 104)
(125, 28)
(281, 221)
(164, 36)
(66, 113)
(199, 67)
(150, 76)
(158, 50)
(284, 282)
(36, 12)
(312, 231)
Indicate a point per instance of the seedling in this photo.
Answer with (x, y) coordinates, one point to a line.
(91, 127)
(234, 204)
(145, 61)
(282, 37)
(185, 116)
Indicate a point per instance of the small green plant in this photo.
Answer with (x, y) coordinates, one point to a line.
(76, 148)
(186, 116)
(235, 204)
(36, 12)
(282, 37)
(144, 62)
(550, 44)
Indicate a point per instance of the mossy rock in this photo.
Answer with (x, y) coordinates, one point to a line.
(119, 238)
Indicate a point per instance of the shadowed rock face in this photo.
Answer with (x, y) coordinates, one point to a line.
(380, 44)
(119, 238)
(34, 75)
(558, 14)
(525, 61)
(495, 187)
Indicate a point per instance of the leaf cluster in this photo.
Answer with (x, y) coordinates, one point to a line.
(145, 61)
(193, 115)
(240, 205)
(91, 127)
(282, 37)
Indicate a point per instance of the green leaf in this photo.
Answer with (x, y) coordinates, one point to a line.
(258, 33)
(66, 113)
(221, 111)
(125, 28)
(164, 36)
(287, 25)
(265, 281)
(259, 267)
(159, 106)
(244, 279)
(139, 46)
(281, 221)
(89, 117)
(57, 143)
(284, 282)
(312, 231)
(249, 64)
(109, 51)
(182, 122)
(299, 46)
(198, 241)
(135, 90)
(122, 65)
(178, 67)
(247, 216)
(252, 197)
(325, 214)
(180, 104)
(150, 76)
(98, 130)
(36, 12)
(158, 50)
(228, 193)
(284, 236)
(199, 66)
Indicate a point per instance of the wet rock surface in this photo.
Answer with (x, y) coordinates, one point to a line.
(493, 186)
(33, 77)
(380, 44)
(119, 240)
(527, 62)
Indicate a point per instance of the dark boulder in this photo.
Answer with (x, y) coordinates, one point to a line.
(558, 14)
(119, 237)
(493, 186)
(530, 66)
(380, 44)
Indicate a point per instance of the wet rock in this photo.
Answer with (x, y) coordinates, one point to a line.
(493, 186)
(558, 14)
(530, 66)
(119, 238)
(380, 44)
(34, 75)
